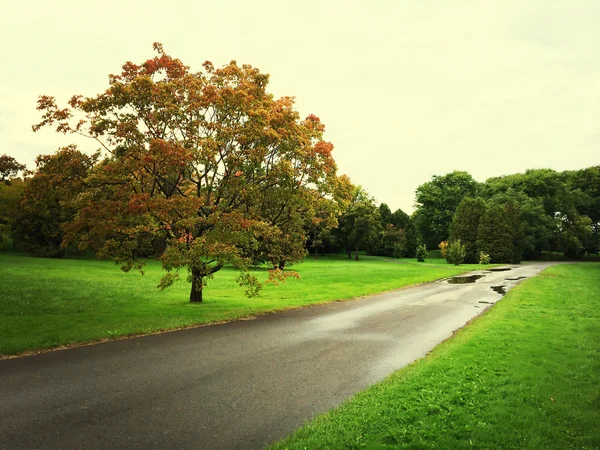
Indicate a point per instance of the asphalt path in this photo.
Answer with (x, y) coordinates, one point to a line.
(239, 385)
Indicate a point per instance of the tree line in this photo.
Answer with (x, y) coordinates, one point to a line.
(513, 217)
(206, 169)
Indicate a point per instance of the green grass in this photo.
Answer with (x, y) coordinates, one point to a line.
(47, 303)
(525, 375)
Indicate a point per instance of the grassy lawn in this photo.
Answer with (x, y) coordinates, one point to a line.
(524, 375)
(48, 303)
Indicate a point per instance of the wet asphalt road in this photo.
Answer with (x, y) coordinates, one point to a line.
(239, 385)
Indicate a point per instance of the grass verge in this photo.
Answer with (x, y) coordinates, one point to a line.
(47, 303)
(524, 375)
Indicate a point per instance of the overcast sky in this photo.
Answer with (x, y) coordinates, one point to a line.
(406, 89)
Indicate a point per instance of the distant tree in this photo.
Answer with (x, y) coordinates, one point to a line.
(545, 184)
(394, 241)
(499, 232)
(48, 201)
(437, 201)
(9, 168)
(360, 224)
(383, 245)
(465, 225)
(586, 184)
(10, 196)
(385, 214)
(403, 221)
(574, 234)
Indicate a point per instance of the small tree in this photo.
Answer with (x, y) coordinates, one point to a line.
(421, 253)
(484, 258)
(443, 246)
(456, 252)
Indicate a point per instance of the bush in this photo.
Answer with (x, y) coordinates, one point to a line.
(484, 258)
(456, 252)
(443, 246)
(421, 253)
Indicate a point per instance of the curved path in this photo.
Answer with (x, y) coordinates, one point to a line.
(237, 385)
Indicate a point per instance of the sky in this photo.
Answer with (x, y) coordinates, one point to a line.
(406, 89)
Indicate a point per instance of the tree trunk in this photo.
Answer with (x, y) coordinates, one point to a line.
(356, 254)
(316, 252)
(281, 265)
(162, 245)
(349, 252)
(196, 293)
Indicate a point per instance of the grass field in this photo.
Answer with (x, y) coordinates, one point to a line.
(45, 303)
(525, 375)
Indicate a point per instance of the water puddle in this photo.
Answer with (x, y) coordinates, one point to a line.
(465, 279)
(499, 269)
(499, 289)
(515, 278)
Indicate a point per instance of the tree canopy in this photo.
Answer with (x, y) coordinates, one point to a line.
(437, 201)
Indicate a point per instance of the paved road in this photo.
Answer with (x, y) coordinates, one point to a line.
(238, 385)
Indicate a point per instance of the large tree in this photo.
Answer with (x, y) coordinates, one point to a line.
(209, 161)
(437, 201)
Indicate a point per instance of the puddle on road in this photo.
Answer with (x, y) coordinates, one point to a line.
(515, 278)
(499, 269)
(466, 279)
(499, 289)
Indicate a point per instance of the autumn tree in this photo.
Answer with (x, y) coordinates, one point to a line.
(48, 201)
(9, 168)
(208, 161)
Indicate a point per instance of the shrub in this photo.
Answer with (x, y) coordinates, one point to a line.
(421, 253)
(443, 246)
(456, 252)
(484, 258)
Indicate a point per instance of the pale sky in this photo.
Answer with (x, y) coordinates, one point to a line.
(406, 89)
